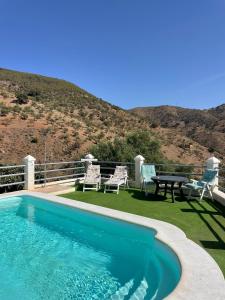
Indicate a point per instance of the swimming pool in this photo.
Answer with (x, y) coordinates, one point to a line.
(51, 251)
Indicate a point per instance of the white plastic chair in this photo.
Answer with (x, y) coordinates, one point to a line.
(116, 180)
(92, 178)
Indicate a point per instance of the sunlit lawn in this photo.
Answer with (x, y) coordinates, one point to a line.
(202, 222)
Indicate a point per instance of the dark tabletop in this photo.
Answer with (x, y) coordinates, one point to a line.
(170, 178)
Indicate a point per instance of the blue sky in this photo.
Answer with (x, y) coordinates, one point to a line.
(128, 52)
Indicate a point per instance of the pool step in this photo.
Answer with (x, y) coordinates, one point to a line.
(141, 291)
(123, 291)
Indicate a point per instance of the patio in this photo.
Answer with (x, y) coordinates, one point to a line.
(204, 222)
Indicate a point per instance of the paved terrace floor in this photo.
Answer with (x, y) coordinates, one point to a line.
(55, 189)
(203, 222)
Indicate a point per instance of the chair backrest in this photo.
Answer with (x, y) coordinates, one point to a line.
(120, 172)
(209, 176)
(93, 170)
(147, 171)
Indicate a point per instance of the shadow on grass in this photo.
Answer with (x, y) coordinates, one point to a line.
(216, 205)
(140, 195)
(202, 212)
(213, 244)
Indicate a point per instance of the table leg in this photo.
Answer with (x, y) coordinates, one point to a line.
(172, 191)
(181, 191)
(157, 188)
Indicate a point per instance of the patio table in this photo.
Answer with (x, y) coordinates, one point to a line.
(169, 181)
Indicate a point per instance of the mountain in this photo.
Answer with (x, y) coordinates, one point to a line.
(36, 110)
(206, 127)
(33, 107)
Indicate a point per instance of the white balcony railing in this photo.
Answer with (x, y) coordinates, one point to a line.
(30, 175)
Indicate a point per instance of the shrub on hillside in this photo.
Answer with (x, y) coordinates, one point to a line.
(126, 149)
(21, 98)
(4, 110)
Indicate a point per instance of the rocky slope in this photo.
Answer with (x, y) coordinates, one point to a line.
(205, 127)
(35, 110)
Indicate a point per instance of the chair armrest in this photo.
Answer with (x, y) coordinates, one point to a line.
(193, 180)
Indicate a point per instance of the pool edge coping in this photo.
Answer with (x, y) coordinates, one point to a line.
(201, 277)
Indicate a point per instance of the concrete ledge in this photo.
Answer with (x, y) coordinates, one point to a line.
(201, 277)
(219, 196)
(72, 181)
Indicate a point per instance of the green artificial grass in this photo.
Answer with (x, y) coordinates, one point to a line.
(204, 222)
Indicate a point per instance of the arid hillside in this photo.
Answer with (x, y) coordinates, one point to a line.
(37, 110)
(205, 127)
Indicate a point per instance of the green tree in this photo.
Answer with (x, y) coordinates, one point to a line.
(21, 98)
(126, 149)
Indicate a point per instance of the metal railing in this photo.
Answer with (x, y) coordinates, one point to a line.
(107, 168)
(69, 170)
(188, 170)
(11, 177)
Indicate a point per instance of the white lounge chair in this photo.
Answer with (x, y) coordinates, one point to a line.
(92, 178)
(115, 181)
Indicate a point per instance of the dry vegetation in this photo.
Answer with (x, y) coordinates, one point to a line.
(35, 108)
(199, 132)
(71, 118)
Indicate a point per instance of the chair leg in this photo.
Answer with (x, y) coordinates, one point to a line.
(145, 190)
(202, 194)
(210, 192)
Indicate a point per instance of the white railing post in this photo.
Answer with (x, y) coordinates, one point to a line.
(139, 160)
(29, 172)
(88, 159)
(213, 163)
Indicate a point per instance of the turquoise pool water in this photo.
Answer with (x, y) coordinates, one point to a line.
(50, 251)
